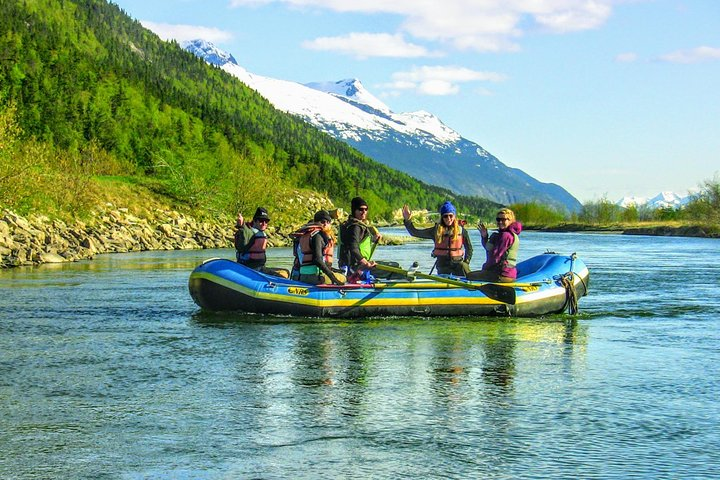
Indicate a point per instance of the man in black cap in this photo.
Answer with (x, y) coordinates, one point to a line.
(251, 242)
(357, 239)
(313, 247)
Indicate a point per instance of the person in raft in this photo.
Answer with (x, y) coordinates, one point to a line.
(313, 246)
(357, 240)
(453, 249)
(501, 249)
(251, 242)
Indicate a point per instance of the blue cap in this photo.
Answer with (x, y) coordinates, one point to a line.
(448, 207)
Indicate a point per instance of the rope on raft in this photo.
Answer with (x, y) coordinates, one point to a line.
(571, 300)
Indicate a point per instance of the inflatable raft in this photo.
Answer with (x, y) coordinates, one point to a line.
(546, 284)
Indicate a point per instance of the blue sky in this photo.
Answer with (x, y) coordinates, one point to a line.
(607, 98)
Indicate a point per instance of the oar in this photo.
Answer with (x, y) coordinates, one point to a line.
(497, 292)
(374, 243)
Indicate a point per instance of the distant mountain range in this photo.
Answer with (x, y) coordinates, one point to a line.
(417, 143)
(661, 200)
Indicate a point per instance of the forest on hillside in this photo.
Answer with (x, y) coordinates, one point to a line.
(87, 93)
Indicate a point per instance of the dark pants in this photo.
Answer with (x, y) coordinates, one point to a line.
(488, 276)
(446, 266)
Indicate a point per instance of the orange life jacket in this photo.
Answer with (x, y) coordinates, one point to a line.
(447, 247)
(306, 251)
(303, 250)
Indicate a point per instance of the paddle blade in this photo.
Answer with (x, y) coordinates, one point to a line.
(499, 292)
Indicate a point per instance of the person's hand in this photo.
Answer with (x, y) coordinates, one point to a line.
(377, 237)
(367, 264)
(239, 221)
(406, 213)
(483, 229)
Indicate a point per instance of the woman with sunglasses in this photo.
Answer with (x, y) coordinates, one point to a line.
(313, 246)
(251, 241)
(501, 249)
(453, 249)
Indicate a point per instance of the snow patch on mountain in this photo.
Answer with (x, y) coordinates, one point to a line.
(661, 200)
(344, 107)
(208, 52)
(352, 90)
(417, 143)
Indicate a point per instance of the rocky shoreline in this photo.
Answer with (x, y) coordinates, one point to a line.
(37, 239)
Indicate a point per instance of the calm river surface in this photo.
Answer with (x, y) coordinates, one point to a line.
(109, 370)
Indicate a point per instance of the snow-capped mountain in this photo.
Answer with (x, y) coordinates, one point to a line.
(417, 143)
(661, 200)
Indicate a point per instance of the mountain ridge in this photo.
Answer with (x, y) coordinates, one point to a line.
(661, 200)
(417, 143)
(105, 98)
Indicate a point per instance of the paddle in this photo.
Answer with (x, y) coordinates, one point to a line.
(497, 292)
(372, 249)
(375, 242)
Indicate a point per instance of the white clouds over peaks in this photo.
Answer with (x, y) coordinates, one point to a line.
(480, 25)
(439, 80)
(182, 33)
(363, 45)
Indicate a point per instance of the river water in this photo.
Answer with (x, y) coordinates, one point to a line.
(109, 370)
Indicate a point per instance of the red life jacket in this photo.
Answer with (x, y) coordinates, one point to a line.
(304, 253)
(447, 247)
(256, 248)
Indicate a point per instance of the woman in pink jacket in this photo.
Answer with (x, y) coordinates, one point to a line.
(501, 249)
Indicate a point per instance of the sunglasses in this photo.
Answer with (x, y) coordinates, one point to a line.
(262, 220)
(501, 219)
(363, 209)
(448, 215)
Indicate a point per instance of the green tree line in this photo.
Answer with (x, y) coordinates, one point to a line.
(702, 209)
(103, 96)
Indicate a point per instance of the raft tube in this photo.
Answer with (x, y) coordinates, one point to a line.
(546, 284)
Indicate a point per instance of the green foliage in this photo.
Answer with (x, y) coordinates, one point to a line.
(89, 81)
(602, 212)
(630, 214)
(705, 206)
(703, 209)
(534, 213)
(36, 177)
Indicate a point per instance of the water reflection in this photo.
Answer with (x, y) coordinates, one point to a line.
(456, 360)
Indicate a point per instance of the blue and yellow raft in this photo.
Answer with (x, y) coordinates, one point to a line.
(546, 284)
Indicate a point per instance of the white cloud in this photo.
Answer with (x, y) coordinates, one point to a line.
(181, 33)
(439, 80)
(437, 87)
(364, 45)
(695, 55)
(449, 73)
(481, 25)
(627, 57)
(572, 16)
